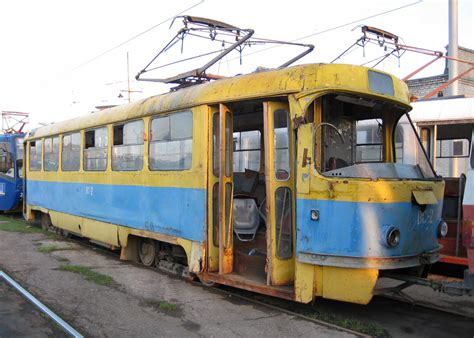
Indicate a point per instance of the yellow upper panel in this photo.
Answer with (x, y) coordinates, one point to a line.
(299, 79)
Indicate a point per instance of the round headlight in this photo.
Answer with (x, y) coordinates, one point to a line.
(442, 229)
(393, 237)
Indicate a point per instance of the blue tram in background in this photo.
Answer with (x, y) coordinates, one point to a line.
(11, 171)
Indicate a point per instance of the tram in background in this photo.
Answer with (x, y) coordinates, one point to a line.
(446, 129)
(11, 172)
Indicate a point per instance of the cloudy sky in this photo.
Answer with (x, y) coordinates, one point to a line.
(47, 46)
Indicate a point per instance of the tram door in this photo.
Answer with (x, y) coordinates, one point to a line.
(226, 256)
(279, 182)
(220, 186)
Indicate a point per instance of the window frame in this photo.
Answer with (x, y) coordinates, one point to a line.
(40, 168)
(58, 158)
(83, 148)
(234, 151)
(151, 141)
(112, 145)
(62, 150)
(439, 147)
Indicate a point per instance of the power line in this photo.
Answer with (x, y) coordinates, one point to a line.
(136, 36)
(336, 27)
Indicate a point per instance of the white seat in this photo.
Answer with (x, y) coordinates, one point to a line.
(246, 218)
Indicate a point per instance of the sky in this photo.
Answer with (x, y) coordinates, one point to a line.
(53, 63)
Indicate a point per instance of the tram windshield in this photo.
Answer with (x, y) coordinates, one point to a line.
(357, 138)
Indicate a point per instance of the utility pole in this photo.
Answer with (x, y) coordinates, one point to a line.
(453, 47)
(129, 90)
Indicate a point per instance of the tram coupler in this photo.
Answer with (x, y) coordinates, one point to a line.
(465, 288)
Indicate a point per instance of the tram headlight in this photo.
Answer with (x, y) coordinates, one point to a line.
(392, 237)
(442, 229)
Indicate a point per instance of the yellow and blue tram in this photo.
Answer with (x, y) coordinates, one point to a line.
(275, 182)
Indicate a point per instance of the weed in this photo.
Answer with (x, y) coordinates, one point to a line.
(88, 274)
(62, 259)
(166, 306)
(52, 247)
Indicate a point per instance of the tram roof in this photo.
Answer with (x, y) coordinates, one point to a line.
(305, 79)
(443, 111)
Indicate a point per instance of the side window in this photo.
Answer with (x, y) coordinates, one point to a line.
(171, 143)
(51, 153)
(127, 150)
(36, 154)
(95, 149)
(452, 157)
(246, 151)
(5, 157)
(282, 145)
(71, 152)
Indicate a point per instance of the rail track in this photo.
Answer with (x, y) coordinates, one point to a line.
(384, 316)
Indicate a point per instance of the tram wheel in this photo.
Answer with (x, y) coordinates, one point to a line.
(147, 251)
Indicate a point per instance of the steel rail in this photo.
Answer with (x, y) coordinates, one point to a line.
(43, 308)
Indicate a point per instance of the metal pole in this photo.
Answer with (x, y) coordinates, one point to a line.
(453, 46)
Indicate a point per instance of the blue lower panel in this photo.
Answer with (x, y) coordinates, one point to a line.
(172, 211)
(359, 229)
(10, 193)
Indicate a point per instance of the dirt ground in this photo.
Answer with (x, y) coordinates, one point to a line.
(114, 298)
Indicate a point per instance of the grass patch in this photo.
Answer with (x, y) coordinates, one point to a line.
(52, 247)
(167, 306)
(164, 306)
(62, 259)
(8, 224)
(13, 225)
(372, 329)
(88, 274)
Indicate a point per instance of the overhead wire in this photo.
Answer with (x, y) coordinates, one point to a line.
(337, 27)
(136, 36)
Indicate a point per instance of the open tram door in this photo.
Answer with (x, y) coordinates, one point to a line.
(279, 182)
(226, 187)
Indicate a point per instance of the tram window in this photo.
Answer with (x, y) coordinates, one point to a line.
(95, 149)
(281, 144)
(452, 157)
(36, 155)
(452, 148)
(425, 137)
(283, 216)
(19, 147)
(5, 157)
(71, 152)
(247, 150)
(215, 144)
(51, 153)
(380, 83)
(171, 142)
(369, 141)
(127, 151)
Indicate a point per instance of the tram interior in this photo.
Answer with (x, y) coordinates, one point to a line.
(249, 207)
